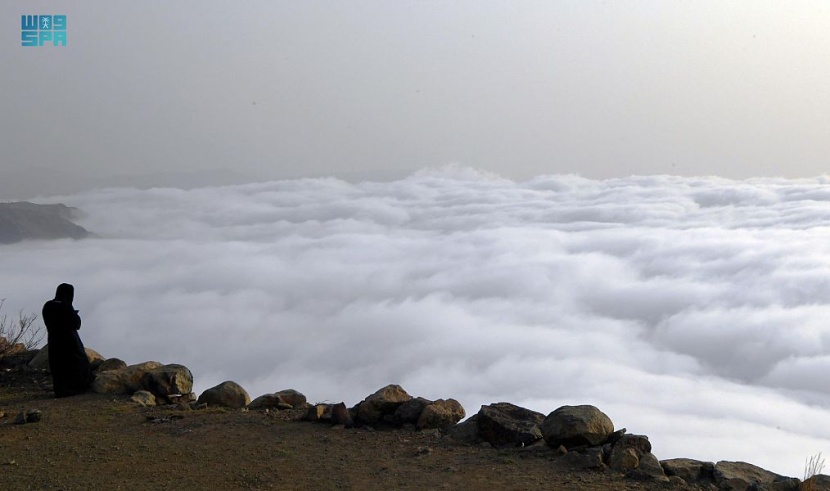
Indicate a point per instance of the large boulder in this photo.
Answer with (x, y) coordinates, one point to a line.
(269, 401)
(380, 407)
(440, 414)
(167, 380)
(575, 426)
(227, 394)
(41, 359)
(690, 470)
(123, 381)
(110, 364)
(505, 424)
(284, 399)
(410, 411)
(740, 476)
(293, 398)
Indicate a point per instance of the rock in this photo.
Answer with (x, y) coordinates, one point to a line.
(143, 397)
(410, 411)
(294, 398)
(267, 401)
(820, 482)
(27, 416)
(17, 357)
(41, 359)
(227, 394)
(466, 432)
(589, 458)
(503, 424)
(167, 381)
(284, 399)
(163, 381)
(619, 459)
(690, 470)
(110, 364)
(123, 381)
(440, 414)
(319, 413)
(573, 426)
(648, 469)
(624, 460)
(740, 476)
(382, 403)
(340, 415)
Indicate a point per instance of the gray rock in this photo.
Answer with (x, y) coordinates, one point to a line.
(573, 426)
(821, 482)
(410, 411)
(649, 469)
(267, 401)
(340, 415)
(28, 416)
(167, 380)
(123, 381)
(440, 414)
(293, 398)
(381, 406)
(466, 432)
(110, 364)
(143, 397)
(588, 458)
(741, 476)
(505, 424)
(227, 394)
(690, 470)
(626, 453)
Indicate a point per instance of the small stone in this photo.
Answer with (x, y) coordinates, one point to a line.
(33, 416)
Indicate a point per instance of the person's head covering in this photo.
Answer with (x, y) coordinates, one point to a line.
(65, 293)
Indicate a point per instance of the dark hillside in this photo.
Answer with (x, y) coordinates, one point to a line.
(22, 220)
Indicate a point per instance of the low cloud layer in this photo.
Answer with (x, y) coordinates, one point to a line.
(693, 310)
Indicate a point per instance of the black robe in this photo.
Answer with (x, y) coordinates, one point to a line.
(67, 357)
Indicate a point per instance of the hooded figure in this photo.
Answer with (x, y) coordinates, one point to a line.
(67, 357)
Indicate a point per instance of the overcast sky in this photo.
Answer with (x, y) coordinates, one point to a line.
(378, 89)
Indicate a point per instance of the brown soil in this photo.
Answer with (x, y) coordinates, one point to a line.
(104, 442)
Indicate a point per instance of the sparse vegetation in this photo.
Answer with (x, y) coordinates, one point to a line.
(20, 334)
(812, 468)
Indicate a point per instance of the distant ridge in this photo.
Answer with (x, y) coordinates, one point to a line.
(22, 220)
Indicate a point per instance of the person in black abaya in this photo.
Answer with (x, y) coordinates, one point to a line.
(67, 357)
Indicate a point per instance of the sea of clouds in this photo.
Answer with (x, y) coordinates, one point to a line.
(692, 310)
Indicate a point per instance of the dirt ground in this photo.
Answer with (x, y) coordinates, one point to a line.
(103, 442)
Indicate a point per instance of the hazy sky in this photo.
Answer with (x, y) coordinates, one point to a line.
(692, 310)
(377, 88)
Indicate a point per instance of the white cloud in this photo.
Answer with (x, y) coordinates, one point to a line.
(689, 309)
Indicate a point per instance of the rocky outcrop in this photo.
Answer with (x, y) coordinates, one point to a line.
(575, 426)
(380, 407)
(227, 394)
(504, 424)
(169, 384)
(741, 476)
